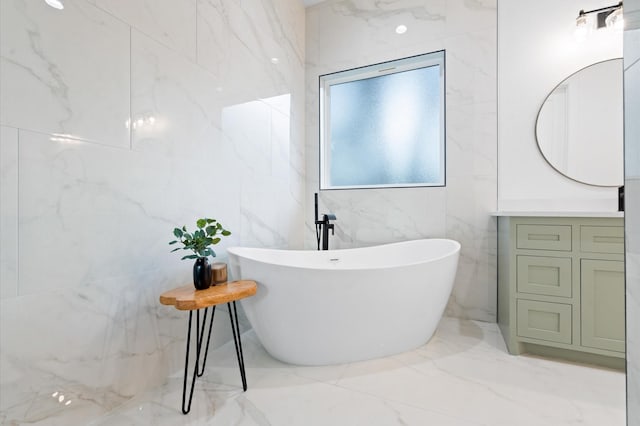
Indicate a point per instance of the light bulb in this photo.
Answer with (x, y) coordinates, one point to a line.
(56, 4)
(615, 20)
(582, 27)
(401, 29)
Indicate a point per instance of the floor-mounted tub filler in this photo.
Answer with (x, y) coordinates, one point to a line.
(339, 306)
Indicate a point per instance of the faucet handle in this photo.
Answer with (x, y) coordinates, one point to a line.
(332, 227)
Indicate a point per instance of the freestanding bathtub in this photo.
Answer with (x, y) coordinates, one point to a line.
(339, 306)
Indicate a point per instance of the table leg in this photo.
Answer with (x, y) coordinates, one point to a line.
(199, 339)
(235, 328)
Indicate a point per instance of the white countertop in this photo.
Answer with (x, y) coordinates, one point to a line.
(556, 214)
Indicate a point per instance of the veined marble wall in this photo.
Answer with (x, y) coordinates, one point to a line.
(120, 120)
(343, 34)
(632, 203)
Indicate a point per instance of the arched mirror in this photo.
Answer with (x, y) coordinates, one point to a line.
(579, 126)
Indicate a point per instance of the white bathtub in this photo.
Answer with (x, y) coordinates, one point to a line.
(339, 306)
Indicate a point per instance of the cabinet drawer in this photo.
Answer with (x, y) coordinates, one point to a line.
(544, 275)
(544, 237)
(544, 320)
(602, 239)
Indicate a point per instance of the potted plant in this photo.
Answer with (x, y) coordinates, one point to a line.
(199, 242)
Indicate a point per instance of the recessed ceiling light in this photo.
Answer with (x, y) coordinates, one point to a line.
(401, 29)
(56, 4)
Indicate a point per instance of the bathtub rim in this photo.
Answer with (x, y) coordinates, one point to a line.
(455, 250)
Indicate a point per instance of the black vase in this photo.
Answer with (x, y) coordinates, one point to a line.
(202, 273)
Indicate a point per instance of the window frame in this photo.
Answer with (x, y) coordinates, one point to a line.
(425, 60)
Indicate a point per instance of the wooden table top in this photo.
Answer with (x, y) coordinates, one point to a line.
(187, 298)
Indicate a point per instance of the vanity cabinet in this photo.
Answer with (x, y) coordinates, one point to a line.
(561, 287)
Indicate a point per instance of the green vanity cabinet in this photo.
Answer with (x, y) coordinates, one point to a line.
(561, 287)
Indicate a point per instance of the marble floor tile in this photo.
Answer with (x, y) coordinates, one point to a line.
(463, 376)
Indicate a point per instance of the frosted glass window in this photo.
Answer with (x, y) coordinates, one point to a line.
(383, 125)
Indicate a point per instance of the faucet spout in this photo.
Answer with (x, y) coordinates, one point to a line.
(323, 226)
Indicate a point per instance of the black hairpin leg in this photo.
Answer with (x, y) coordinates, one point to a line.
(199, 339)
(235, 328)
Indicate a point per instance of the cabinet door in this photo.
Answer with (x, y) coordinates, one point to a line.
(602, 285)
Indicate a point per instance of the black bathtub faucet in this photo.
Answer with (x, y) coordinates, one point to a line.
(323, 226)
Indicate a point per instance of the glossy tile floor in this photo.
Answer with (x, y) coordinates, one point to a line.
(463, 376)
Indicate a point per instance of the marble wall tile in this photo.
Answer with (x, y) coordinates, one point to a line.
(378, 216)
(470, 199)
(471, 66)
(471, 136)
(81, 92)
(259, 133)
(101, 342)
(248, 128)
(8, 212)
(250, 38)
(632, 264)
(179, 97)
(77, 216)
(463, 17)
(193, 112)
(172, 26)
(367, 24)
(631, 112)
(280, 123)
(187, 111)
(346, 34)
(632, 205)
(95, 219)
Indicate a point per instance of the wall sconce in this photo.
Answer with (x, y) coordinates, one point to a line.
(605, 17)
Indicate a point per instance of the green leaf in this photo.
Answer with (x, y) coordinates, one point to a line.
(199, 241)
